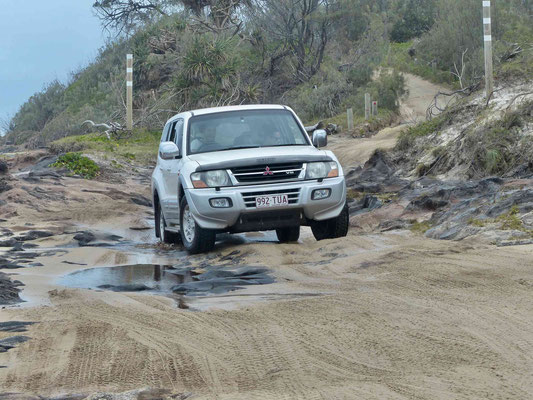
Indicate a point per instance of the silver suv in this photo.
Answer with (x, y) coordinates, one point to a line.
(241, 169)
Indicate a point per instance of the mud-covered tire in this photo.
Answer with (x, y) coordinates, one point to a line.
(287, 235)
(332, 228)
(194, 238)
(160, 231)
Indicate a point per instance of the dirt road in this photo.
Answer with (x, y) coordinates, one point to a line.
(372, 316)
(420, 94)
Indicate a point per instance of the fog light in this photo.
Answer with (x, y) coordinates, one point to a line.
(223, 202)
(320, 194)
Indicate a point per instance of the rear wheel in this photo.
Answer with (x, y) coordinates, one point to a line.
(161, 228)
(290, 234)
(332, 228)
(195, 238)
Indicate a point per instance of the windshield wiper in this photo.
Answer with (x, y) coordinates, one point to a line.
(289, 144)
(243, 147)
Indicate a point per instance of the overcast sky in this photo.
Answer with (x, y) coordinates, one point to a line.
(43, 40)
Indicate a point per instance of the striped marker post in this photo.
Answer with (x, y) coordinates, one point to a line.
(129, 92)
(487, 35)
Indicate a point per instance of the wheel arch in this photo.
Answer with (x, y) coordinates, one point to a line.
(181, 191)
(155, 205)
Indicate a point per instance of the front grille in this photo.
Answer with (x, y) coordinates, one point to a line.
(292, 194)
(267, 173)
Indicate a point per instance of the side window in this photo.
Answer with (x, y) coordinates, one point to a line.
(172, 135)
(178, 129)
(165, 132)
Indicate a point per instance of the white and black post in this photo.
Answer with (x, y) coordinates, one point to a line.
(487, 35)
(129, 92)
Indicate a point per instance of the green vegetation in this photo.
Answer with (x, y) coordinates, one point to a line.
(477, 222)
(399, 58)
(78, 165)
(141, 146)
(384, 197)
(497, 148)
(408, 136)
(508, 221)
(421, 227)
(319, 59)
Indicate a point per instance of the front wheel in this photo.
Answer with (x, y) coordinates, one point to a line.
(195, 238)
(332, 228)
(287, 235)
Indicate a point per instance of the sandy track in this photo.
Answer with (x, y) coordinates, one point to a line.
(420, 94)
(407, 318)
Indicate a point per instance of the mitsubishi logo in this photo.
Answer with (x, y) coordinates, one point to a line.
(268, 171)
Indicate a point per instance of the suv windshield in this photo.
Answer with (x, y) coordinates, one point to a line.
(243, 129)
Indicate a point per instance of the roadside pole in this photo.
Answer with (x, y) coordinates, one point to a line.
(129, 92)
(375, 108)
(487, 38)
(349, 115)
(367, 105)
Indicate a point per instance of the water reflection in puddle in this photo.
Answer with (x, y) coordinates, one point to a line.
(129, 278)
(166, 279)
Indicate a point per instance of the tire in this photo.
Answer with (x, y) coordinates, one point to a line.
(160, 231)
(195, 239)
(287, 235)
(332, 228)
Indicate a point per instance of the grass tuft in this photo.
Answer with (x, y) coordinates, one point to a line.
(421, 227)
(78, 165)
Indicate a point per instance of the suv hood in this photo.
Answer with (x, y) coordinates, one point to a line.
(258, 156)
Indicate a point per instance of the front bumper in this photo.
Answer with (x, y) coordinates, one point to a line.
(234, 217)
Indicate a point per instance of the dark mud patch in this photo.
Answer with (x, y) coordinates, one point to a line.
(182, 280)
(9, 290)
(15, 326)
(11, 342)
(15, 259)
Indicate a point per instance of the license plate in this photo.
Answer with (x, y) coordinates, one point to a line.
(276, 200)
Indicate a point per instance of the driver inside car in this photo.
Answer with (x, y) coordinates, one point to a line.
(204, 137)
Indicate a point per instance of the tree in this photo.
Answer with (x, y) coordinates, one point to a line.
(217, 15)
(39, 109)
(295, 28)
(416, 18)
(124, 15)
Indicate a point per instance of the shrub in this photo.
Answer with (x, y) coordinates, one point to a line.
(407, 137)
(416, 17)
(78, 164)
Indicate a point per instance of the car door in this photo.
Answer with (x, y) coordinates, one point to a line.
(170, 171)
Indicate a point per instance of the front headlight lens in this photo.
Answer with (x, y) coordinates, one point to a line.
(320, 170)
(206, 179)
(216, 178)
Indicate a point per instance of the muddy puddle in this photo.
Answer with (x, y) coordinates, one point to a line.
(167, 279)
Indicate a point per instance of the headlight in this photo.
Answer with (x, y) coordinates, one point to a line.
(206, 179)
(320, 170)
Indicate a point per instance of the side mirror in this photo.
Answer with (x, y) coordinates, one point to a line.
(169, 151)
(320, 138)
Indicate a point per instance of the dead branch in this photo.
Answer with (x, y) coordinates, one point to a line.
(111, 129)
(430, 112)
(516, 97)
(460, 75)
